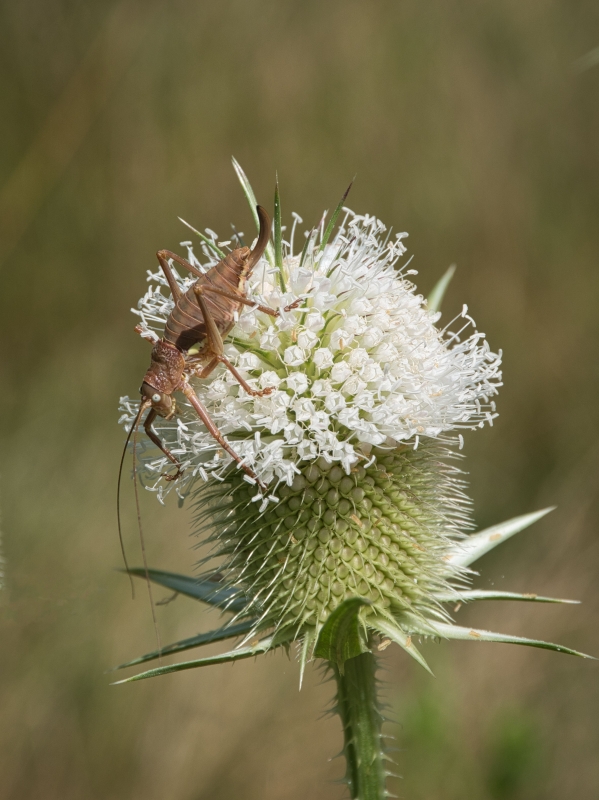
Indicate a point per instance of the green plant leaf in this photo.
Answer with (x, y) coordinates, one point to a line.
(399, 636)
(194, 641)
(206, 239)
(211, 592)
(448, 631)
(473, 547)
(223, 658)
(251, 198)
(435, 298)
(331, 225)
(483, 594)
(278, 237)
(342, 635)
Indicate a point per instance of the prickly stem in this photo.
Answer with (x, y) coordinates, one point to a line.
(358, 707)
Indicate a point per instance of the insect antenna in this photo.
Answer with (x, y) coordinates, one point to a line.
(133, 431)
(118, 497)
(142, 543)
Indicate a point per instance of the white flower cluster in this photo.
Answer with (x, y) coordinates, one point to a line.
(359, 363)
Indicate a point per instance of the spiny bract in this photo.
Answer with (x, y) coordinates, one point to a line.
(379, 532)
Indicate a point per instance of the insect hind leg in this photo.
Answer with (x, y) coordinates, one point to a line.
(217, 346)
(239, 298)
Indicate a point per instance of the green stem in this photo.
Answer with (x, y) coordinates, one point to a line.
(358, 708)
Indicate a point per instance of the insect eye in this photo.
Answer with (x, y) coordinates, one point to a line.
(156, 398)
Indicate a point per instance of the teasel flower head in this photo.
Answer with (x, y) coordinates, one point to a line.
(365, 520)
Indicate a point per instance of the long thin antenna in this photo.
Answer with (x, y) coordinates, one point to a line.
(142, 407)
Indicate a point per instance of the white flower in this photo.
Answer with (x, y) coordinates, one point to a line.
(269, 378)
(365, 400)
(358, 358)
(321, 387)
(340, 372)
(297, 382)
(319, 421)
(353, 385)
(372, 336)
(385, 352)
(323, 358)
(314, 320)
(218, 390)
(355, 325)
(306, 340)
(358, 362)
(249, 361)
(304, 410)
(269, 339)
(340, 339)
(371, 372)
(334, 401)
(294, 356)
(360, 305)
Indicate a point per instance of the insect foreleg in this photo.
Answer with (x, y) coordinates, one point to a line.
(154, 437)
(214, 431)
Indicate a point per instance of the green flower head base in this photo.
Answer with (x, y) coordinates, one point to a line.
(363, 530)
(379, 531)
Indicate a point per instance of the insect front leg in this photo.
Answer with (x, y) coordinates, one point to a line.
(214, 431)
(155, 438)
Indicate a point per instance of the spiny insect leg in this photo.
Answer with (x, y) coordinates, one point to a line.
(241, 380)
(216, 345)
(209, 368)
(273, 312)
(214, 431)
(154, 437)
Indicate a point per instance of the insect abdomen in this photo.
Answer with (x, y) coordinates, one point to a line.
(185, 325)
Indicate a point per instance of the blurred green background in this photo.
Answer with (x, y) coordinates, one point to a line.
(472, 125)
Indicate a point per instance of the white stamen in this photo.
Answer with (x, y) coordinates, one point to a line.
(359, 363)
